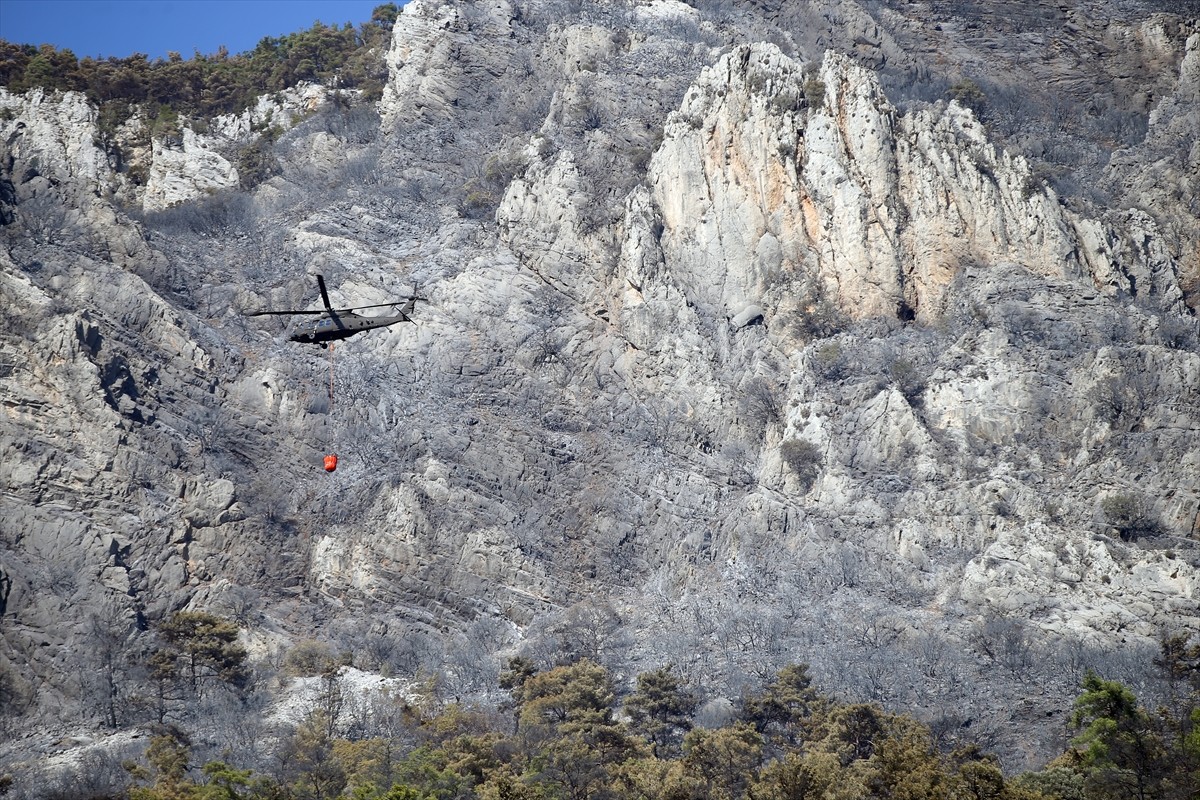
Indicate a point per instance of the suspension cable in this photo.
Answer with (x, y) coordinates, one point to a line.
(331, 459)
(332, 345)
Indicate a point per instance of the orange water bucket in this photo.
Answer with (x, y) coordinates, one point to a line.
(330, 463)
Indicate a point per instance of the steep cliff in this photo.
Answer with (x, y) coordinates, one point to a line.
(732, 359)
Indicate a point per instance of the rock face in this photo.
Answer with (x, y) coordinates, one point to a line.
(57, 137)
(53, 134)
(190, 165)
(736, 355)
(767, 180)
(183, 169)
(820, 178)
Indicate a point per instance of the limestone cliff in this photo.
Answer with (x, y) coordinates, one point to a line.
(745, 345)
(774, 178)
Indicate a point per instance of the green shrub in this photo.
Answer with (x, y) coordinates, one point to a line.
(256, 162)
(814, 92)
(1129, 516)
(968, 93)
(308, 658)
(803, 458)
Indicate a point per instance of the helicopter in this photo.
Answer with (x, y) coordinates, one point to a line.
(341, 323)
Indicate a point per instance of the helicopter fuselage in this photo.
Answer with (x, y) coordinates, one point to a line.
(341, 326)
(334, 324)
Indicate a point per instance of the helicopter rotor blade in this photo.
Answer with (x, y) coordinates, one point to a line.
(333, 311)
(280, 313)
(324, 294)
(377, 305)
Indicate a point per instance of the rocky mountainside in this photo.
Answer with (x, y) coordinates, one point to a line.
(855, 332)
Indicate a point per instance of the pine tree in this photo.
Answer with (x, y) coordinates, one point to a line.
(660, 709)
(206, 649)
(1118, 750)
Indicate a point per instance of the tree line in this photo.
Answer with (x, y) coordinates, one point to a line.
(570, 732)
(205, 86)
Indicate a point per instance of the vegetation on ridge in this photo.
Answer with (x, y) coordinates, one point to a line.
(569, 732)
(207, 85)
(566, 733)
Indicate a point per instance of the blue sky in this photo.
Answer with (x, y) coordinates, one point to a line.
(155, 27)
